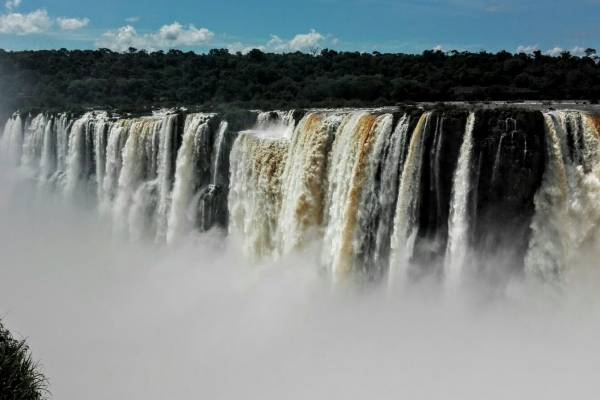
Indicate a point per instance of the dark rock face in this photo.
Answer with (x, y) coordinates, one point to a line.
(508, 165)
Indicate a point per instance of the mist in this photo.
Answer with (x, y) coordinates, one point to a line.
(111, 319)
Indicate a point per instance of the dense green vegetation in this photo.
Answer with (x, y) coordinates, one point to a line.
(138, 79)
(19, 375)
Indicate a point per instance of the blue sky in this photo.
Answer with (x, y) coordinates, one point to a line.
(363, 25)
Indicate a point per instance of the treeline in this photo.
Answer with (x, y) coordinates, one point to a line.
(138, 80)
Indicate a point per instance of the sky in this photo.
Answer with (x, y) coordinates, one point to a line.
(277, 25)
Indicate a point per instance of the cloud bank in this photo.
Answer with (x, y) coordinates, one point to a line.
(305, 42)
(168, 36)
(36, 22)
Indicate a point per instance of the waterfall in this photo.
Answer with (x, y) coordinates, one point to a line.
(165, 175)
(99, 136)
(567, 219)
(392, 165)
(372, 199)
(458, 225)
(117, 137)
(12, 140)
(350, 159)
(33, 143)
(77, 155)
(257, 163)
(192, 153)
(132, 173)
(48, 160)
(406, 215)
(379, 192)
(136, 195)
(305, 177)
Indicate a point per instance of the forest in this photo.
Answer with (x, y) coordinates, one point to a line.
(140, 80)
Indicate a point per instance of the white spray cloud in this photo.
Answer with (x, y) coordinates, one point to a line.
(110, 320)
(168, 36)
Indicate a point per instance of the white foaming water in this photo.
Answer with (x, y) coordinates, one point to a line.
(33, 144)
(11, 142)
(565, 227)
(305, 177)
(48, 160)
(350, 161)
(405, 219)
(255, 193)
(185, 187)
(77, 158)
(99, 138)
(117, 137)
(391, 175)
(63, 126)
(164, 176)
(218, 152)
(458, 226)
(132, 174)
(371, 186)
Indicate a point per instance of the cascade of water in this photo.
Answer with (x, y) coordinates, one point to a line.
(279, 123)
(458, 225)
(49, 156)
(406, 215)
(392, 167)
(365, 238)
(137, 159)
(62, 125)
(165, 175)
(567, 217)
(218, 152)
(372, 241)
(349, 169)
(257, 164)
(100, 130)
(304, 178)
(77, 161)
(33, 143)
(12, 139)
(187, 180)
(117, 137)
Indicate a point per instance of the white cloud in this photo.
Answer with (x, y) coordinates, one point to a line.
(36, 22)
(25, 24)
(306, 41)
(439, 47)
(310, 41)
(555, 52)
(12, 4)
(72, 24)
(132, 20)
(576, 51)
(168, 36)
(242, 48)
(528, 49)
